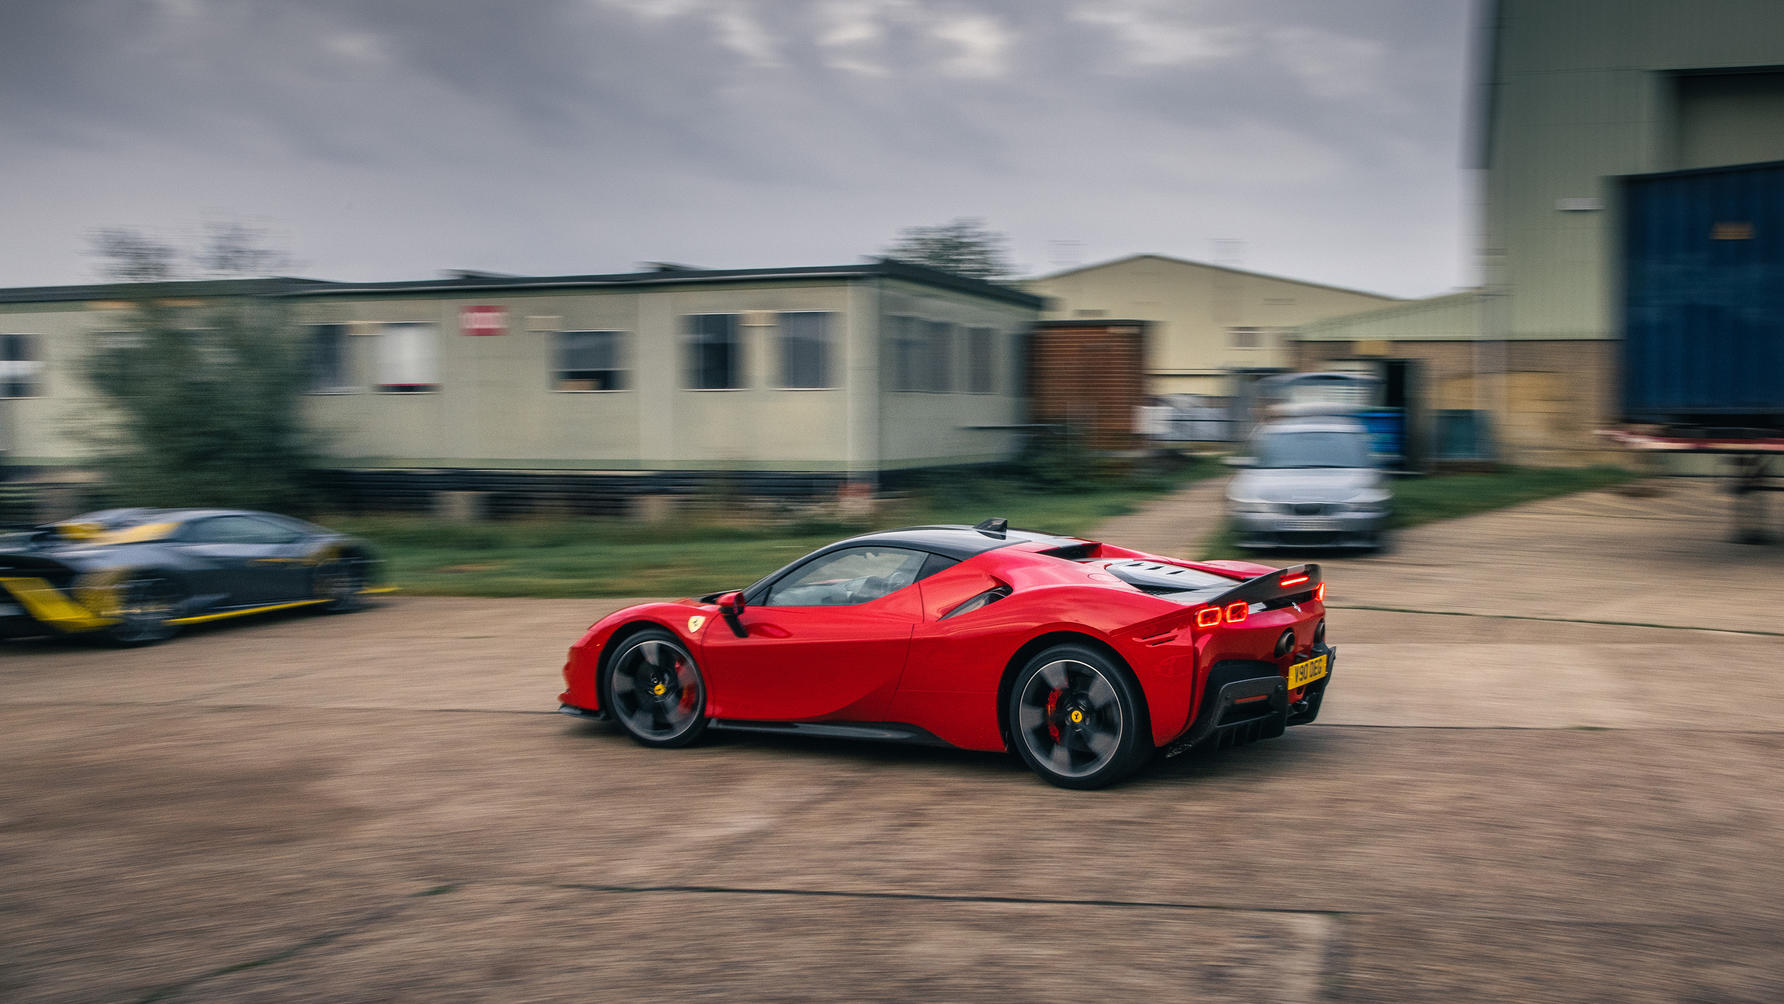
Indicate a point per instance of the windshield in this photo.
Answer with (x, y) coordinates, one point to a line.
(1313, 449)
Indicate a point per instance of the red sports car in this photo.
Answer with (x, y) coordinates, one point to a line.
(1082, 657)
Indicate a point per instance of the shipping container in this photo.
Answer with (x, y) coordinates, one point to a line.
(1703, 303)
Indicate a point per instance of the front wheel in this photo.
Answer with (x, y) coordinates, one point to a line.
(654, 690)
(1075, 718)
(145, 609)
(339, 581)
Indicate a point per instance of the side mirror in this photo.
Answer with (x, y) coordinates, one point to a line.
(1238, 461)
(731, 608)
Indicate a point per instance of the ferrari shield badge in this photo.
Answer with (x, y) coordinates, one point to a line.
(695, 623)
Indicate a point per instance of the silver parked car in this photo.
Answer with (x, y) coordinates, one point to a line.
(1310, 483)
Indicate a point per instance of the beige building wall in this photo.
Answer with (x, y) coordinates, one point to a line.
(922, 428)
(494, 404)
(1577, 94)
(1206, 319)
(1580, 92)
(59, 424)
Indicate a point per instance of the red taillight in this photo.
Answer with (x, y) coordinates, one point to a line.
(1319, 592)
(1233, 613)
(1293, 580)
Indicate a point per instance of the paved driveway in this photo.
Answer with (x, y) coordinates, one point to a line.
(1505, 800)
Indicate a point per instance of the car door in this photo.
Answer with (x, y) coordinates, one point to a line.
(241, 560)
(279, 567)
(827, 640)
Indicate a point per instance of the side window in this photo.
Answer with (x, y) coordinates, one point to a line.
(978, 360)
(941, 357)
(805, 342)
(408, 359)
(589, 360)
(714, 352)
(847, 577)
(238, 530)
(905, 352)
(328, 359)
(255, 530)
(20, 366)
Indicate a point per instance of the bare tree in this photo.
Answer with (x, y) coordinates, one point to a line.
(963, 246)
(127, 255)
(228, 249)
(206, 400)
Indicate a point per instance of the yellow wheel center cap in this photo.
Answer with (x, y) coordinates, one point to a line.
(659, 690)
(1077, 717)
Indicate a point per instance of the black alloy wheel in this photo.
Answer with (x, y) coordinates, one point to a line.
(1075, 718)
(146, 606)
(654, 690)
(338, 581)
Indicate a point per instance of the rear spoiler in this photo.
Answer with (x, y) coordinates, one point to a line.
(1294, 584)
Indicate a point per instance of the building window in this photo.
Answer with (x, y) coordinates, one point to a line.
(715, 352)
(941, 357)
(1245, 338)
(805, 352)
(408, 358)
(905, 341)
(329, 372)
(19, 366)
(589, 360)
(979, 342)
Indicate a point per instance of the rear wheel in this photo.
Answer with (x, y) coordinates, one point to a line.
(654, 690)
(338, 581)
(1075, 718)
(145, 610)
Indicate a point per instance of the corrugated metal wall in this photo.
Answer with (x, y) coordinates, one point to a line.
(1704, 296)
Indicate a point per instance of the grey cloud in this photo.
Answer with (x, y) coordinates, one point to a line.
(395, 138)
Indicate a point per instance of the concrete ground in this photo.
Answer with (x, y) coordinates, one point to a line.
(1507, 799)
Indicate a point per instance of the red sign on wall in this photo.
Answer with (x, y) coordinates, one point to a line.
(482, 320)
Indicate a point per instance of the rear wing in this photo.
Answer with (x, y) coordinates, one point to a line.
(1294, 584)
(1191, 586)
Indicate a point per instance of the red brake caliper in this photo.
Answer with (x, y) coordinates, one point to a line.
(687, 693)
(1052, 711)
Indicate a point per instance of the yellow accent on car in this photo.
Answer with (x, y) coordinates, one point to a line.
(207, 618)
(96, 535)
(48, 605)
(135, 534)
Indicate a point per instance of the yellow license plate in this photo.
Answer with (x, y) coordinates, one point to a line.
(1301, 674)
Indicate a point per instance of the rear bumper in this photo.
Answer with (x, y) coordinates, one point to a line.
(1244, 701)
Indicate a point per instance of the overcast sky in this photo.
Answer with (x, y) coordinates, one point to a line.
(391, 139)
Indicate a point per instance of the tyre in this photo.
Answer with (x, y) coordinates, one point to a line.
(1077, 718)
(338, 581)
(146, 606)
(654, 690)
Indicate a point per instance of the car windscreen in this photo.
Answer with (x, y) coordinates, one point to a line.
(1312, 448)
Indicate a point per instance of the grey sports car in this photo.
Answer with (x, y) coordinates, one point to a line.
(137, 576)
(1310, 483)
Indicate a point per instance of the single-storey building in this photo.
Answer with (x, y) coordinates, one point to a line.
(833, 373)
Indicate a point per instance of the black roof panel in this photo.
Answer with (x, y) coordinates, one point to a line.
(952, 540)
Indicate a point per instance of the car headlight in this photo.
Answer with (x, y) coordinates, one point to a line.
(1373, 506)
(1249, 505)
